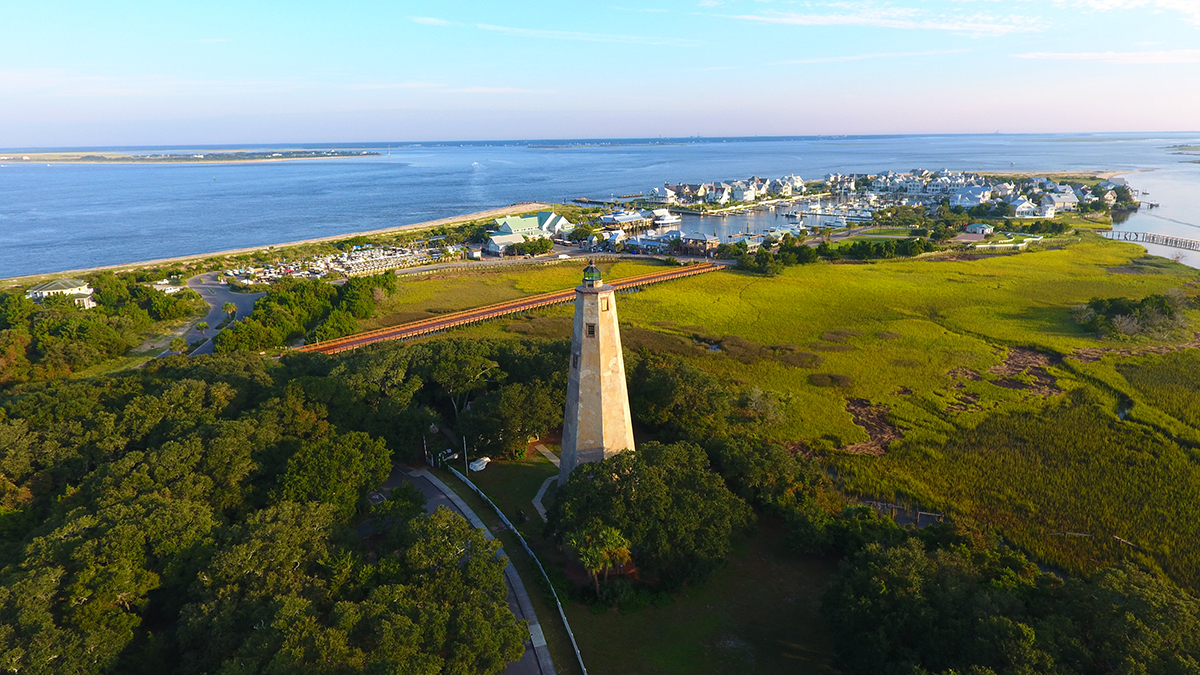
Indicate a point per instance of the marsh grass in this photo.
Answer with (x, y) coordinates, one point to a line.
(920, 337)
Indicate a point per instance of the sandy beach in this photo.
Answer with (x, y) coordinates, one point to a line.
(523, 207)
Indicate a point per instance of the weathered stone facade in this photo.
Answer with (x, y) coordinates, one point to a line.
(596, 424)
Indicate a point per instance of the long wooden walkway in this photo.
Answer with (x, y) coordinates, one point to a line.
(1152, 238)
(440, 323)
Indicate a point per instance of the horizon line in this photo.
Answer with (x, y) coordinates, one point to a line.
(574, 140)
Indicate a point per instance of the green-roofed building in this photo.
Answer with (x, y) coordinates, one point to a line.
(510, 229)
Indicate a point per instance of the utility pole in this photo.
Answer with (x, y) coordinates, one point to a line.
(466, 467)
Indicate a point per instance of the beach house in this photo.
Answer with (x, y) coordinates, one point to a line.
(720, 193)
(80, 291)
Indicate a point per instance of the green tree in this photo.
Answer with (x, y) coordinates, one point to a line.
(504, 420)
(461, 370)
(202, 327)
(229, 308)
(337, 471)
(676, 513)
(600, 548)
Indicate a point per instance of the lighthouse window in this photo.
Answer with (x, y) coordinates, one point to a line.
(591, 330)
(603, 304)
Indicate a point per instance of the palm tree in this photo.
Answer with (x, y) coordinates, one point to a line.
(229, 308)
(202, 326)
(600, 548)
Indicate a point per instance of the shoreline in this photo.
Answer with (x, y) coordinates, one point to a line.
(521, 207)
(173, 162)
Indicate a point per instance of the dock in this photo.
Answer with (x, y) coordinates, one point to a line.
(1153, 238)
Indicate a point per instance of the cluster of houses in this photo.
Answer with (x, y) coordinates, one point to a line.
(615, 227)
(749, 190)
(1036, 197)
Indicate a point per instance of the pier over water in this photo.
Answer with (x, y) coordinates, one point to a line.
(1153, 238)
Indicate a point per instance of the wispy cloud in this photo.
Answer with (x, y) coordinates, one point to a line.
(865, 57)
(902, 18)
(573, 36)
(1121, 58)
(1190, 9)
(428, 21)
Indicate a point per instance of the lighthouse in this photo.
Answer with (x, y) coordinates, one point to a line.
(596, 423)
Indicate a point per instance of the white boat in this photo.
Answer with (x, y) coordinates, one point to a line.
(663, 217)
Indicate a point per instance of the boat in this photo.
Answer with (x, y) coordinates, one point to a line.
(663, 217)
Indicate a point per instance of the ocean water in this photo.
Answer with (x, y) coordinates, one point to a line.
(70, 216)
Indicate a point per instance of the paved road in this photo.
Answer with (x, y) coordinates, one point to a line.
(216, 295)
(536, 658)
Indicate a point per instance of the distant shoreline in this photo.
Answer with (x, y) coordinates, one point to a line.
(217, 157)
(522, 207)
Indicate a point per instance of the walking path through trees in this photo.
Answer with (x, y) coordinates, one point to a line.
(536, 659)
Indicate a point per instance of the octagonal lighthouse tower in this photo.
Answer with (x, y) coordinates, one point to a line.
(596, 424)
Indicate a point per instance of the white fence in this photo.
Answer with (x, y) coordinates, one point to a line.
(528, 550)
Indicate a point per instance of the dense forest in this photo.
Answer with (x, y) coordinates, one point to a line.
(211, 515)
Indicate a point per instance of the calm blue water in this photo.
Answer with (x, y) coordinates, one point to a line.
(64, 216)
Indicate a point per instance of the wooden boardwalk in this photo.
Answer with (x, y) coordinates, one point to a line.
(1152, 238)
(446, 321)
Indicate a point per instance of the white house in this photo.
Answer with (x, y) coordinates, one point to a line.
(971, 196)
(743, 192)
(1004, 189)
(780, 187)
(1062, 201)
(720, 193)
(939, 185)
(980, 228)
(1024, 208)
(796, 182)
(498, 242)
(1047, 210)
(81, 291)
(661, 195)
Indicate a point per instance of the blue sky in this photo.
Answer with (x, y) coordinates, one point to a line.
(120, 72)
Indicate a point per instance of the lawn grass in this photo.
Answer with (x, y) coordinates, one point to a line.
(759, 614)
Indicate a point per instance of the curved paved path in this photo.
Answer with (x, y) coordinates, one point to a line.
(536, 659)
(216, 295)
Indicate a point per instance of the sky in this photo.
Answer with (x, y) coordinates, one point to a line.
(75, 74)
